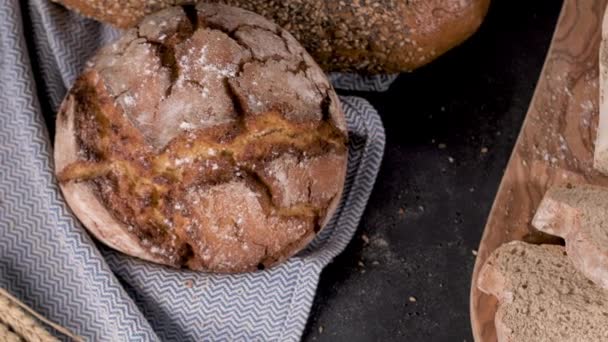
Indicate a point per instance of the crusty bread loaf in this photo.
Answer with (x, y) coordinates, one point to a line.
(542, 296)
(600, 157)
(373, 36)
(205, 137)
(579, 214)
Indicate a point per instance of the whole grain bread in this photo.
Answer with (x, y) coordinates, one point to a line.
(372, 36)
(205, 137)
(579, 214)
(542, 296)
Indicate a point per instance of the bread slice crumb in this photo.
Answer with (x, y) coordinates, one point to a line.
(542, 296)
(578, 214)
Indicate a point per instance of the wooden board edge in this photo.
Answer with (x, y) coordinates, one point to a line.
(482, 252)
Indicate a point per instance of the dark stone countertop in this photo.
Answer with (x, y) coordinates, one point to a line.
(436, 186)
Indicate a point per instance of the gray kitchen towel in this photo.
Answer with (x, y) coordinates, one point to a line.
(346, 81)
(49, 261)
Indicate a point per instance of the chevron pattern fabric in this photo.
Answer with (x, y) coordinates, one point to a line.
(49, 261)
(346, 81)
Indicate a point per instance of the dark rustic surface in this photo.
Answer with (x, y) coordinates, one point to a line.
(450, 130)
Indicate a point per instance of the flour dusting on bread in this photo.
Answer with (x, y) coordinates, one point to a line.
(214, 144)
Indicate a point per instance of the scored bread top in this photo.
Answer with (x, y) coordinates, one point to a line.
(542, 296)
(210, 137)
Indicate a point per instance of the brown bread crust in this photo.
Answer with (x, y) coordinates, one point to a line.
(371, 36)
(206, 138)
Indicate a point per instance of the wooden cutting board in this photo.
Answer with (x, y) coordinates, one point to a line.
(555, 145)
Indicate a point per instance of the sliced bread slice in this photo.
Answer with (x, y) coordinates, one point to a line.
(542, 296)
(579, 214)
(600, 157)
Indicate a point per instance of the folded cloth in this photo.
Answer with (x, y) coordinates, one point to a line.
(346, 81)
(47, 259)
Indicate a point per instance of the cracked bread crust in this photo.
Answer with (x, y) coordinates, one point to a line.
(371, 36)
(205, 137)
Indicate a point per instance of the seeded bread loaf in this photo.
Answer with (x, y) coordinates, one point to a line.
(579, 215)
(206, 137)
(372, 36)
(542, 296)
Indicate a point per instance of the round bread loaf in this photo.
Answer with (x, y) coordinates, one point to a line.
(206, 137)
(371, 36)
